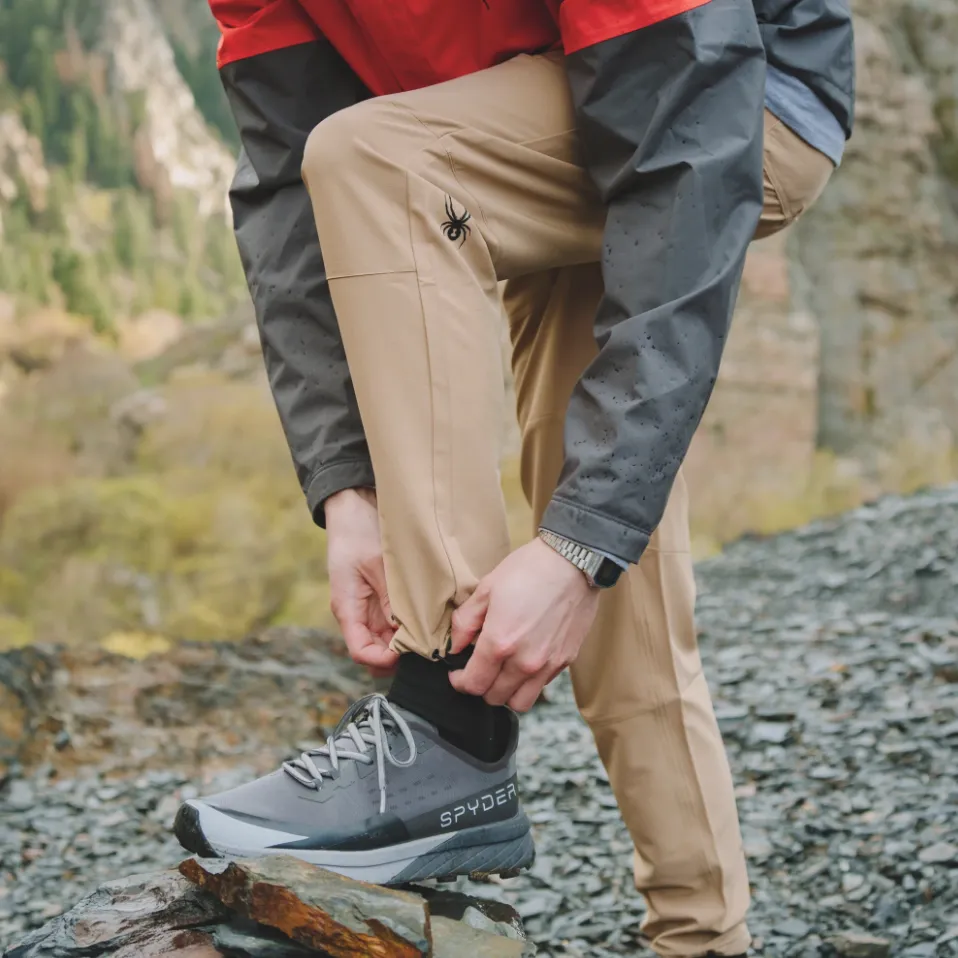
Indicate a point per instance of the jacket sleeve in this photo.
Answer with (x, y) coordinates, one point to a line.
(276, 234)
(670, 118)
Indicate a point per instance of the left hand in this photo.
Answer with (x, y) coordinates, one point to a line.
(531, 615)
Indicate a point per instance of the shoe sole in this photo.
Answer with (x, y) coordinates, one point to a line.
(502, 848)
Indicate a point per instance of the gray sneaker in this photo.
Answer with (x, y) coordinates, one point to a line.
(385, 800)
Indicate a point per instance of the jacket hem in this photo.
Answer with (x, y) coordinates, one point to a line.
(332, 478)
(595, 530)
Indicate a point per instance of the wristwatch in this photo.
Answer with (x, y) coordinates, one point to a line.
(601, 572)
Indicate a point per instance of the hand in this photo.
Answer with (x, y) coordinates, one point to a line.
(357, 579)
(531, 615)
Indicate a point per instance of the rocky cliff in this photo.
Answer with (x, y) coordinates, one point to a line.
(112, 181)
(847, 331)
(177, 148)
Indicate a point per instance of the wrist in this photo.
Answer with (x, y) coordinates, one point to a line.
(599, 570)
(347, 501)
(572, 577)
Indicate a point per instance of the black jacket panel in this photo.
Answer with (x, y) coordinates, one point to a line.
(671, 124)
(277, 99)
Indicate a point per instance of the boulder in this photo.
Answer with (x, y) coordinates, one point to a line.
(276, 907)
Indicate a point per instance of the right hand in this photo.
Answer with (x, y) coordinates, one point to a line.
(357, 579)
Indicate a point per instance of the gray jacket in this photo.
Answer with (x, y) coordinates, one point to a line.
(663, 321)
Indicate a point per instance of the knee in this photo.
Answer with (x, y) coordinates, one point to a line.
(344, 142)
(330, 148)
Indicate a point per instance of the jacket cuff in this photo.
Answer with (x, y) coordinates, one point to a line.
(334, 477)
(594, 530)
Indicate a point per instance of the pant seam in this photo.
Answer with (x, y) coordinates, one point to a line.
(372, 272)
(439, 140)
(440, 530)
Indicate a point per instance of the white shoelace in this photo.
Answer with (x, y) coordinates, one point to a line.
(354, 741)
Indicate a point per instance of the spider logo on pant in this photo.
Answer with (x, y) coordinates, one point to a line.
(456, 227)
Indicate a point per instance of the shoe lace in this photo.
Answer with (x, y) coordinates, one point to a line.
(360, 736)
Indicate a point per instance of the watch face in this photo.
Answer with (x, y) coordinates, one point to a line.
(608, 574)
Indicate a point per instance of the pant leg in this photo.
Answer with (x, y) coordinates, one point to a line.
(423, 201)
(638, 679)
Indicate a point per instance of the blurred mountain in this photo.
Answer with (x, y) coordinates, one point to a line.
(145, 487)
(193, 35)
(114, 160)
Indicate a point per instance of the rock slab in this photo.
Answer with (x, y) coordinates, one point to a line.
(344, 918)
(275, 908)
(856, 945)
(138, 917)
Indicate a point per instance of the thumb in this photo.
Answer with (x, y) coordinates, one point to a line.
(467, 620)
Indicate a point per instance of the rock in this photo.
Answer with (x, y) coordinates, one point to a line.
(839, 341)
(925, 949)
(941, 853)
(120, 713)
(850, 667)
(22, 165)
(793, 928)
(482, 914)
(149, 334)
(451, 939)
(211, 914)
(249, 940)
(41, 339)
(25, 685)
(771, 733)
(177, 149)
(317, 908)
(851, 944)
(138, 916)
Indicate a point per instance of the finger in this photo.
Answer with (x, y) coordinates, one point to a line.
(528, 693)
(365, 649)
(377, 657)
(510, 680)
(467, 620)
(481, 671)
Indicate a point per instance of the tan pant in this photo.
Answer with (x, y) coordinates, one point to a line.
(419, 307)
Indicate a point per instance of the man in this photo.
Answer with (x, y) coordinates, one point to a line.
(605, 159)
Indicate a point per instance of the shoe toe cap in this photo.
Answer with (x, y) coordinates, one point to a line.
(188, 828)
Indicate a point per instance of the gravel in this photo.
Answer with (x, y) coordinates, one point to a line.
(832, 653)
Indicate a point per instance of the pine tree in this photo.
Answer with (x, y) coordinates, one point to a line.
(132, 230)
(31, 112)
(39, 74)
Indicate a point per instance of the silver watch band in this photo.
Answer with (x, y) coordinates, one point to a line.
(583, 558)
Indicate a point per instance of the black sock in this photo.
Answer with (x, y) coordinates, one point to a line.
(422, 686)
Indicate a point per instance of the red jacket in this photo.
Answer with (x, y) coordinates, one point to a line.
(395, 45)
